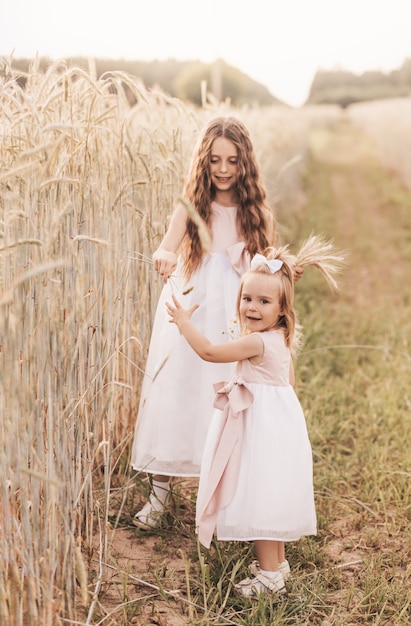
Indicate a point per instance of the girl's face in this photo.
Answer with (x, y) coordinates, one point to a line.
(223, 164)
(260, 301)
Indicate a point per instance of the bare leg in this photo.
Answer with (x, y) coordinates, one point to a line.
(283, 565)
(268, 554)
(281, 551)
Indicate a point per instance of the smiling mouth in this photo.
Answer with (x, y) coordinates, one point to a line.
(223, 179)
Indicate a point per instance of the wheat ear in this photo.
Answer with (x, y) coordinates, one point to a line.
(321, 253)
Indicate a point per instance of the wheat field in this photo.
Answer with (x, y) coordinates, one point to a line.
(88, 183)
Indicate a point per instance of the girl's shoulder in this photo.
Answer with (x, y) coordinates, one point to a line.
(272, 332)
(276, 335)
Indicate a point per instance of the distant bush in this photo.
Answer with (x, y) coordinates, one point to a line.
(345, 88)
(224, 82)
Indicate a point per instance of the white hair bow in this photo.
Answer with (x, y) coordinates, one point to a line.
(274, 265)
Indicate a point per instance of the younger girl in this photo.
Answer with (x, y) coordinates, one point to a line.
(256, 477)
(228, 220)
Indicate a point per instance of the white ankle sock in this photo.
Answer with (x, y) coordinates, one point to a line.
(160, 490)
(269, 574)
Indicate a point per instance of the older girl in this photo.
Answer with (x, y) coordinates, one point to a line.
(228, 220)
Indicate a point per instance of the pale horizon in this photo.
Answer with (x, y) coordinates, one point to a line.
(282, 48)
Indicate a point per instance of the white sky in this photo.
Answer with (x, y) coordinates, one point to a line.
(280, 43)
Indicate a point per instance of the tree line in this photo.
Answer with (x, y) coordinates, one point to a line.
(194, 81)
(345, 88)
(185, 80)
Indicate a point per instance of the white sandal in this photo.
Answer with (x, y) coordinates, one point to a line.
(260, 584)
(150, 515)
(283, 568)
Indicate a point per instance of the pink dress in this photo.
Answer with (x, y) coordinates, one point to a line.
(177, 394)
(269, 493)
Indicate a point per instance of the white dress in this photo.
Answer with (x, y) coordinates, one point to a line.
(273, 495)
(177, 394)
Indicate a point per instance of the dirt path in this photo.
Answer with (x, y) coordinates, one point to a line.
(346, 162)
(372, 218)
(368, 222)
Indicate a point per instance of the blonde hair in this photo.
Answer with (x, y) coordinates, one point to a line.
(255, 218)
(288, 319)
(315, 251)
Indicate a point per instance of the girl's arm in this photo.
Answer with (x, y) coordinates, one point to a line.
(292, 374)
(244, 348)
(165, 257)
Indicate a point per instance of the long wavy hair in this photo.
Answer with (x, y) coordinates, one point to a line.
(255, 219)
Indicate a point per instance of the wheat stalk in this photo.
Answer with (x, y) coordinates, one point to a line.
(321, 253)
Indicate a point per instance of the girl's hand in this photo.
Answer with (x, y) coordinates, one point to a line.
(297, 272)
(165, 263)
(178, 314)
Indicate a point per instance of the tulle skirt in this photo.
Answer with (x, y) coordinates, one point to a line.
(177, 394)
(274, 497)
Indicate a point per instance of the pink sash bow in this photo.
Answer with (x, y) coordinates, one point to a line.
(239, 257)
(233, 399)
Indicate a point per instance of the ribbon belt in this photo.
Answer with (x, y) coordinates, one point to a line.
(239, 257)
(233, 399)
